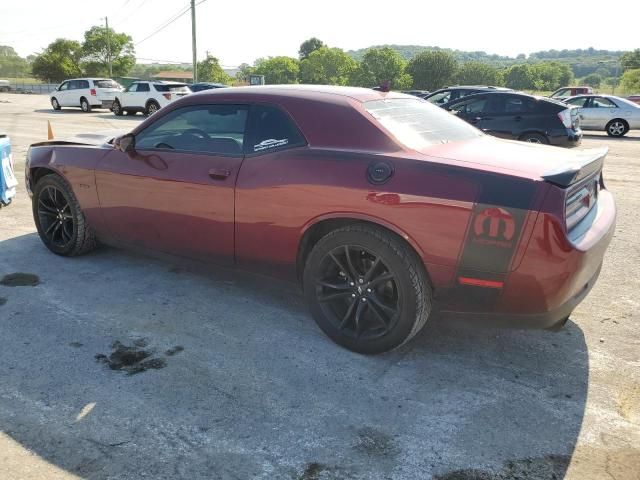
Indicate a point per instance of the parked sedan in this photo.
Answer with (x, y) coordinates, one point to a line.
(566, 92)
(614, 115)
(384, 207)
(520, 116)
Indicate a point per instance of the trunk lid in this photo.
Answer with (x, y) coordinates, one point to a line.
(527, 160)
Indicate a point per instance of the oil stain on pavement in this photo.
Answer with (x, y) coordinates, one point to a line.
(551, 467)
(135, 358)
(20, 279)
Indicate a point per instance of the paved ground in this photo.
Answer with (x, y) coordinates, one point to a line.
(240, 383)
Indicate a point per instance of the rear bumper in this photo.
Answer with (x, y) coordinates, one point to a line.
(566, 137)
(554, 275)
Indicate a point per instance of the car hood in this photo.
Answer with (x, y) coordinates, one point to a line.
(96, 139)
(512, 157)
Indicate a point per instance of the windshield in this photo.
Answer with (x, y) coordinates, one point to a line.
(418, 124)
(164, 87)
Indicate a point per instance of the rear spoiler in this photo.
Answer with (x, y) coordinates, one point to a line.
(587, 163)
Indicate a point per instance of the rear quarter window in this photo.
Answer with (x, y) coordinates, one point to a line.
(270, 128)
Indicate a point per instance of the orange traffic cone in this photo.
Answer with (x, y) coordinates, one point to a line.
(49, 131)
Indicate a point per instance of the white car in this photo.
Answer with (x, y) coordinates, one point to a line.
(86, 93)
(614, 115)
(148, 97)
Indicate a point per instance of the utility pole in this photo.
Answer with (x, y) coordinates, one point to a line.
(106, 21)
(193, 41)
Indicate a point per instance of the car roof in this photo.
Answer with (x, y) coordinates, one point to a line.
(316, 92)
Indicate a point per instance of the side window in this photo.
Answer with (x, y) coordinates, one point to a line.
(64, 86)
(215, 129)
(600, 102)
(132, 88)
(440, 98)
(271, 128)
(517, 105)
(143, 87)
(83, 84)
(578, 102)
(73, 85)
(470, 107)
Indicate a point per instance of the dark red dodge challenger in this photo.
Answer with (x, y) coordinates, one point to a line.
(384, 206)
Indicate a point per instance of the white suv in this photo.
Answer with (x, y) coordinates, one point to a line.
(86, 93)
(148, 97)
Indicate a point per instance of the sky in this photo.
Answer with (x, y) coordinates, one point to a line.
(241, 31)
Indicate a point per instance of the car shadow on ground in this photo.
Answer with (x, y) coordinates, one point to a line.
(240, 383)
(607, 138)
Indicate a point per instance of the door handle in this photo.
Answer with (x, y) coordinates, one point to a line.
(219, 173)
(475, 119)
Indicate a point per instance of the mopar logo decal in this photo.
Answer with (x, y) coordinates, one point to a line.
(494, 226)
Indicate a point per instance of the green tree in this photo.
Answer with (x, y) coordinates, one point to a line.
(631, 80)
(60, 60)
(309, 46)
(209, 70)
(329, 66)
(11, 64)
(381, 65)
(519, 77)
(431, 70)
(593, 80)
(278, 70)
(244, 70)
(101, 45)
(630, 60)
(477, 73)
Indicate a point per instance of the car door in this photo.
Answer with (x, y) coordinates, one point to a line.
(597, 113)
(127, 97)
(471, 110)
(65, 92)
(174, 192)
(505, 115)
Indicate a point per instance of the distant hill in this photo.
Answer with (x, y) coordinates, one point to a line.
(582, 61)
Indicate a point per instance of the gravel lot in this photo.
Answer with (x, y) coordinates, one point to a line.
(239, 383)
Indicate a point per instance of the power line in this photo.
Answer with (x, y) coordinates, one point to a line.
(166, 24)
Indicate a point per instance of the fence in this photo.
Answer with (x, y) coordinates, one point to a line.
(38, 88)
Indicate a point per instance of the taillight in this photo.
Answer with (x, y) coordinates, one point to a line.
(167, 96)
(93, 92)
(580, 201)
(565, 118)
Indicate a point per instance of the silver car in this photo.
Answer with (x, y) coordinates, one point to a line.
(614, 115)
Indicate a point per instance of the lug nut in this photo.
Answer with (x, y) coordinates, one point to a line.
(360, 280)
(353, 295)
(363, 299)
(368, 290)
(352, 284)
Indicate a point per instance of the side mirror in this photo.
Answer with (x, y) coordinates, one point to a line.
(125, 143)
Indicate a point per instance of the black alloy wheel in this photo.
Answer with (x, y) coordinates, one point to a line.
(357, 292)
(54, 214)
(367, 289)
(59, 219)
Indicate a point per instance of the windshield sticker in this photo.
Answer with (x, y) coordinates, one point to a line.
(270, 143)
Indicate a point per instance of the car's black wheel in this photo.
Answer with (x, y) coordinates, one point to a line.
(85, 106)
(367, 289)
(535, 138)
(116, 108)
(152, 107)
(617, 128)
(55, 104)
(59, 219)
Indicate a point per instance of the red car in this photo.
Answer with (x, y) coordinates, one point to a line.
(386, 208)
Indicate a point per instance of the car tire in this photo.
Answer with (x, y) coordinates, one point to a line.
(59, 219)
(85, 106)
(152, 107)
(116, 108)
(617, 128)
(535, 138)
(55, 104)
(366, 288)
